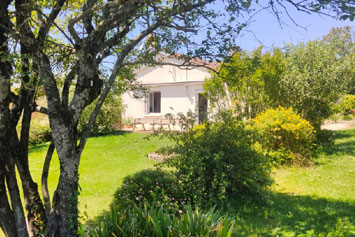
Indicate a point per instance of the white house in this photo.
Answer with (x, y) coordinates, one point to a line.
(171, 89)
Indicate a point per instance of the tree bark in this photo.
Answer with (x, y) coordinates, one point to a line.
(16, 204)
(36, 217)
(45, 172)
(6, 215)
(63, 219)
(12, 221)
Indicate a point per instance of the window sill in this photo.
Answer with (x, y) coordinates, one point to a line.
(153, 114)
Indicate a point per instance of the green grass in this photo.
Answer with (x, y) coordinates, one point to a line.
(304, 201)
(312, 201)
(105, 161)
(333, 176)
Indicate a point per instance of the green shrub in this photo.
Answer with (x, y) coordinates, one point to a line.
(215, 162)
(155, 186)
(40, 132)
(157, 221)
(284, 136)
(107, 119)
(347, 117)
(347, 104)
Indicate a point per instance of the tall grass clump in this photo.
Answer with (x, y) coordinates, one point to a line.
(149, 220)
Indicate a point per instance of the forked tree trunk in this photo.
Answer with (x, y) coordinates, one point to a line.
(63, 218)
(36, 217)
(16, 204)
(12, 219)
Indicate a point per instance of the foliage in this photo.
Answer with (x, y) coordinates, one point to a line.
(317, 74)
(284, 135)
(150, 220)
(215, 162)
(307, 77)
(39, 132)
(247, 83)
(158, 187)
(347, 104)
(107, 119)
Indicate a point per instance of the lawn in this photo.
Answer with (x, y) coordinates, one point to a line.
(312, 201)
(106, 160)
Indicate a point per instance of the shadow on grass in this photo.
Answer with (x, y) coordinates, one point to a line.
(114, 133)
(39, 147)
(44, 146)
(342, 143)
(297, 215)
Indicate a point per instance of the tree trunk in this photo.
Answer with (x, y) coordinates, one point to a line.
(63, 219)
(11, 221)
(7, 223)
(16, 204)
(36, 217)
(6, 215)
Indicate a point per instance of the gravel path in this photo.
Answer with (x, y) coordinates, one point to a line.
(339, 125)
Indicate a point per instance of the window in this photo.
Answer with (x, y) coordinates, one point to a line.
(154, 102)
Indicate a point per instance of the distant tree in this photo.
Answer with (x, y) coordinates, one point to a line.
(247, 83)
(343, 39)
(317, 73)
(307, 77)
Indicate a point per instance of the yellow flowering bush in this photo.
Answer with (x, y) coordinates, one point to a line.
(347, 104)
(284, 135)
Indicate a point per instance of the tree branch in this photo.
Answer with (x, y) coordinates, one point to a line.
(44, 29)
(57, 26)
(40, 109)
(45, 172)
(118, 65)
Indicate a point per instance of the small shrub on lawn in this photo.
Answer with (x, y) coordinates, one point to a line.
(284, 136)
(215, 162)
(150, 220)
(152, 185)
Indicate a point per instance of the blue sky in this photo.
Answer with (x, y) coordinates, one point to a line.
(267, 30)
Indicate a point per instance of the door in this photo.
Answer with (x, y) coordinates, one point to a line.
(202, 108)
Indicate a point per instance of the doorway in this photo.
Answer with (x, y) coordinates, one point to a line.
(202, 108)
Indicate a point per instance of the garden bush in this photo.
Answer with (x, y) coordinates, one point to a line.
(347, 104)
(149, 220)
(284, 136)
(40, 131)
(215, 162)
(152, 185)
(108, 118)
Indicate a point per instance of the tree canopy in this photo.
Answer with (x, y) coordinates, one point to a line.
(308, 77)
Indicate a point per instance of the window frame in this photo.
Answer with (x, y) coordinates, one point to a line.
(152, 102)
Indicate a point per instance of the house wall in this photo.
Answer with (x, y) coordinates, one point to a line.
(178, 88)
(174, 99)
(170, 74)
